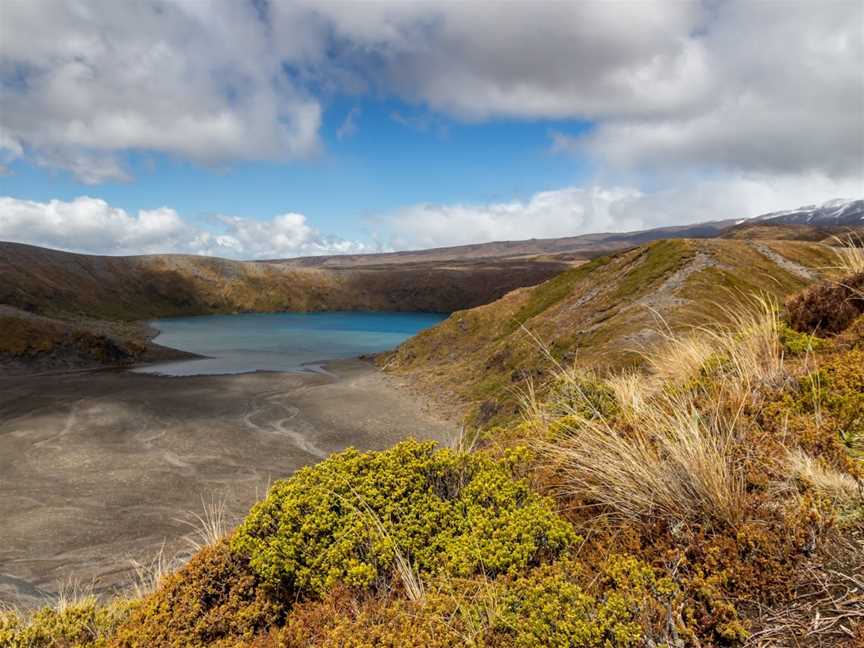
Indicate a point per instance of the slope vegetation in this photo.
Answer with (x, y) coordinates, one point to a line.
(713, 498)
(602, 314)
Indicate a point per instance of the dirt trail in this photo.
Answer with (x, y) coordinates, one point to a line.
(787, 264)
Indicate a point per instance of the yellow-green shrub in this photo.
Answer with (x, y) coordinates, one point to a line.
(548, 608)
(80, 624)
(345, 519)
(584, 395)
(795, 343)
(544, 607)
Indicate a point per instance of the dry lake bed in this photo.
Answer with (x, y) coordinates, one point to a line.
(99, 468)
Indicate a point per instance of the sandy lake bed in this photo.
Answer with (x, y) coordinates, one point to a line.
(104, 467)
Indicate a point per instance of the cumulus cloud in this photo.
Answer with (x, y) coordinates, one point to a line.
(93, 226)
(85, 81)
(741, 86)
(787, 96)
(571, 211)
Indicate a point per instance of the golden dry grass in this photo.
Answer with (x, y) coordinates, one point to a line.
(850, 254)
(672, 449)
(827, 482)
(677, 464)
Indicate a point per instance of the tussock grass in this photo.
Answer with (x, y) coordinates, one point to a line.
(209, 526)
(149, 574)
(464, 441)
(678, 464)
(672, 449)
(827, 482)
(850, 254)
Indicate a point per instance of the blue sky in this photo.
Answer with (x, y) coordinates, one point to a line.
(293, 127)
(383, 165)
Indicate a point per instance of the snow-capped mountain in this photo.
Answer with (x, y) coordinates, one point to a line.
(833, 212)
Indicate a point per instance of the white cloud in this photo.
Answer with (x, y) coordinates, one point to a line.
(745, 87)
(787, 97)
(547, 214)
(741, 86)
(516, 59)
(571, 211)
(86, 81)
(93, 226)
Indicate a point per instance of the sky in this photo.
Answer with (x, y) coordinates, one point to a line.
(267, 128)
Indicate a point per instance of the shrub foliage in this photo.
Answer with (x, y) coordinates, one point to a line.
(349, 518)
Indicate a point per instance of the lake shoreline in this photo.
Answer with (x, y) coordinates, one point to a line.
(101, 467)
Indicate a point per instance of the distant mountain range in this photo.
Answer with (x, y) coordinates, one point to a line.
(832, 213)
(819, 219)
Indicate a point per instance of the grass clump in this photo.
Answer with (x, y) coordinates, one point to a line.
(348, 518)
(731, 460)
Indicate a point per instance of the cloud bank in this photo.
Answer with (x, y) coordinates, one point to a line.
(698, 110)
(91, 225)
(742, 86)
(571, 211)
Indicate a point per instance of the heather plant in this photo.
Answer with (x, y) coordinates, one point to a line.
(350, 519)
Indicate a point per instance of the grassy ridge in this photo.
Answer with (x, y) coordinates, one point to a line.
(602, 314)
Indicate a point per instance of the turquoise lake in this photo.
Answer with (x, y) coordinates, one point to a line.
(280, 341)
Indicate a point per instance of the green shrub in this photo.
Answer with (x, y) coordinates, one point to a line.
(214, 598)
(583, 394)
(549, 608)
(345, 519)
(838, 389)
(544, 607)
(795, 343)
(81, 624)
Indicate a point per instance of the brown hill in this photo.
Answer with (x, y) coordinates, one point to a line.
(81, 300)
(584, 246)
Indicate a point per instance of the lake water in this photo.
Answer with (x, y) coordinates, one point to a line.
(280, 341)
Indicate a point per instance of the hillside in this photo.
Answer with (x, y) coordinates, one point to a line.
(76, 308)
(713, 500)
(602, 314)
(63, 310)
(126, 288)
(832, 213)
(585, 246)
